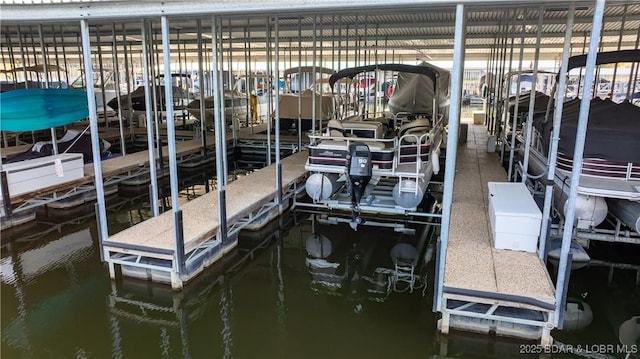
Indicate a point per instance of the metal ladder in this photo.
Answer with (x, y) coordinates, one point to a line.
(403, 272)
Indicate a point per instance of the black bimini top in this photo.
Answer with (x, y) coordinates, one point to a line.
(354, 71)
(608, 57)
(613, 130)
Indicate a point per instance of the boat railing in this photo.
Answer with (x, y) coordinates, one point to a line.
(317, 137)
(422, 144)
(536, 139)
(591, 166)
(601, 168)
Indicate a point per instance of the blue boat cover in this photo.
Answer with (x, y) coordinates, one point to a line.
(38, 109)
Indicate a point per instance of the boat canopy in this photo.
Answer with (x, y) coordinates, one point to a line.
(352, 72)
(415, 93)
(609, 57)
(39, 109)
(613, 130)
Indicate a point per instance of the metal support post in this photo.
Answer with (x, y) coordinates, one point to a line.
(149, 121)
(581, 135)
(101, 211)
(277, 118)
(452, 143)
(219, 128)
(171, 134)
(553, 146)
(527, 141)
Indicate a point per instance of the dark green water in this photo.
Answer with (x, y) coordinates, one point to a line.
(260, 302)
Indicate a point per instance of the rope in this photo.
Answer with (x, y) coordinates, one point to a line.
(74, 142)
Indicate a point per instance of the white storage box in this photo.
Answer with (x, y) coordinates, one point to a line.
(479, 117)
(38, 173)
(515, 217)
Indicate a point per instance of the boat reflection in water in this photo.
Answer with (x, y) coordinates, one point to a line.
(370, 266)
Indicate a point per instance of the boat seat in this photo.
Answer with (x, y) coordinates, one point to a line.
(420, 124)
(364, 129)
(385, 121)
(416, 127)
(335, 129)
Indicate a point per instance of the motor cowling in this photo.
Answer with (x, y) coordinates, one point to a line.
(359, 172)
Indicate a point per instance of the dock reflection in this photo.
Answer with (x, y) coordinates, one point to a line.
(169, 313)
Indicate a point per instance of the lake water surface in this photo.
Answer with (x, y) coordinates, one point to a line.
(261, 301)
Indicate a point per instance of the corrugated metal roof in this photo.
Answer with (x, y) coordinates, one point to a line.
(407, 28)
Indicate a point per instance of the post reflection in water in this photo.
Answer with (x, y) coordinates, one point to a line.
(301, 287)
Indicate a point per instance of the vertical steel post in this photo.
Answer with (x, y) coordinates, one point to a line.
(268, 90)
(249, 118)
(581, 136)
(203, 119)
(221, 109)
(452, 143)
(64, 53)
(500, 72)
(527, 141)
(313, 75)
(45, 59)
(219, 131)
(55, 51)
(615, 66)
(277, 116)
(180, 78)
(248, 80)
(116, 76)
(514, 123)
(634, 69)
(149, 120)
(171, 134)
(553, 146)
(127, 78)
(504, 96)
(299, 83)
(234, 134)
(23, 58)
(101, 67)
(487, 100)
(101, 214)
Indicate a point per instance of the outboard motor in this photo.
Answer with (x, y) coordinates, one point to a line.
(359, 171)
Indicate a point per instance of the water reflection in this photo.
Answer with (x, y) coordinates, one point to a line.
(301, 287)
(177, 314)
(369, 266)
(260, 301)
(45, 289)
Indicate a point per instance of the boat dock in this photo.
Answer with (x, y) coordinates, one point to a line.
(120, 168)
(489, 290)
(147, 250)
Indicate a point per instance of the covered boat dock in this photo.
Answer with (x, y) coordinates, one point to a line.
(477, 286)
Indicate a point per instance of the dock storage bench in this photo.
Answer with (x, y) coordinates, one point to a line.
(515, 217)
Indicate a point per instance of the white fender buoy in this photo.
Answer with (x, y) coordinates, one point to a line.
(435, 162)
